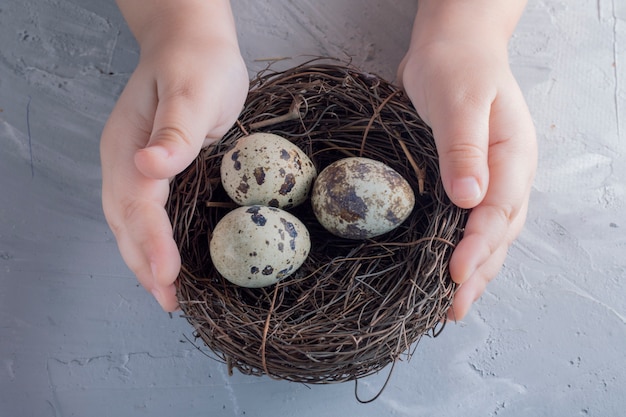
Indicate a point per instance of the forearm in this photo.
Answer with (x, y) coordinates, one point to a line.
(155, 22)
(442, 20)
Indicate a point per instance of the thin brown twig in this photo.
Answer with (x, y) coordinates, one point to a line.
(419, 172)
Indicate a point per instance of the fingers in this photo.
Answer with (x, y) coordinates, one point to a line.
(191, 109)
(141, 227)
(487, 150)
(456, 104)
(475, 285)
(146, 244)
(134, 204)
(181, 123)
(460, 123)
(155, 131)
(512, 163)
(498, 219)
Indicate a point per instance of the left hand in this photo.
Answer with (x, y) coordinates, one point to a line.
(465, 91)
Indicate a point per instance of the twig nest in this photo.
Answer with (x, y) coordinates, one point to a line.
(354, 305)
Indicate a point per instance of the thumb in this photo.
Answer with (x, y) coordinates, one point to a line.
(460, 126)
(181, 123)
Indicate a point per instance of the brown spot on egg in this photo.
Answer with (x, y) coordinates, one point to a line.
(284, 272)
(343, 201)
(352, 206)
(235, 158)
(268, 270)
(258, 218)
(243, 185)
(288, 184)
(297, 161)
(394, 179)
(259, 175)
(289, 227)
(392, 217)
(359, 170)
(355, 232)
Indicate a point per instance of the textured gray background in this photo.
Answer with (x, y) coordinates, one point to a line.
(78, 337)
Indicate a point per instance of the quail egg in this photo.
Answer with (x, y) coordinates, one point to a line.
(267, 169)
(256, 246)
(360, 198)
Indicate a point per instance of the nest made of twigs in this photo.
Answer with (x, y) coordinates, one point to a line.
(354, 306)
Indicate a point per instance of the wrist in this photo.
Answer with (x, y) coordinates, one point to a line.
(488, 22)
(157, 23)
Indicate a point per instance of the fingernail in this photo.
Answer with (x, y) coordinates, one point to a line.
(159, 151)
(153, 269)
(157, 295)
(466, 189)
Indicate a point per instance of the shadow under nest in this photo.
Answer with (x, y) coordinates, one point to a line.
(353, 307)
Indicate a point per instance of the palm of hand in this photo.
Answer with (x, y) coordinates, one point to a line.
(176, 101)
(487, 147)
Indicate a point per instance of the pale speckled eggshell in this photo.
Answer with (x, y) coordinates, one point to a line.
(267, 169)
(257, 246)
(360, 198)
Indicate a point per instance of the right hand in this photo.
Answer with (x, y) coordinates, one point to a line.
(184, 93)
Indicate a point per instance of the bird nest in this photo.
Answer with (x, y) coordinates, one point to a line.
(354, 306)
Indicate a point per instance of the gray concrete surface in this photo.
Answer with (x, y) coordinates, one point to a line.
(78, 337)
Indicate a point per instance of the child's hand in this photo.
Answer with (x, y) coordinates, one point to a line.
(461, 85)
(187, 90)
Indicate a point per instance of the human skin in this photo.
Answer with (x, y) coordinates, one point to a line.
(189, 64)
(456, 73)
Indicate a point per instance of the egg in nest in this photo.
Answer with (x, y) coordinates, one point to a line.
(256, 246)
(267, 169)
(360, 198)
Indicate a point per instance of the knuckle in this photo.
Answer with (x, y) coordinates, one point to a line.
(182, 89)
(116, 228)
(464, 153)
(506, 214)
(112, 220)
(132, 209)
(122, 215)
(474, 97)
(173, 133)
(176, 83)
(501, 220)
(516, 225)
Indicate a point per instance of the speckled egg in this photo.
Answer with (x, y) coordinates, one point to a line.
(257, 246)
(360, 198)
(266, 169)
